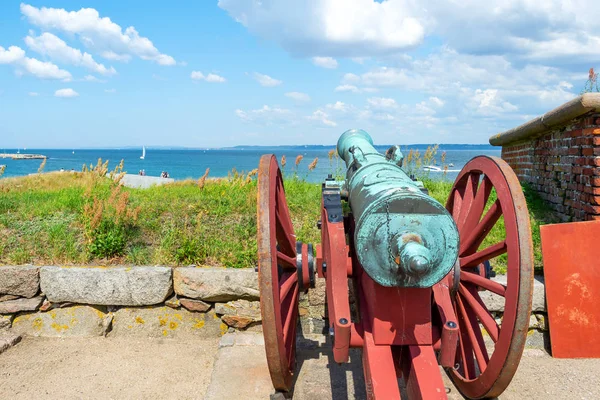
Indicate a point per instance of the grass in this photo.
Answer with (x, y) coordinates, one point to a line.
(86, 218)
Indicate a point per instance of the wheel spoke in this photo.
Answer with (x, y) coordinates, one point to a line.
(286, 284)
(477, 344)
(480, 232)
(480, 310)
(484, 255)
(477, 206)
(456, 204)
(284, 239)
(286, 261)
(465, 346)
(285, 230)
(485, 283)
(290, 316)
(467, 198)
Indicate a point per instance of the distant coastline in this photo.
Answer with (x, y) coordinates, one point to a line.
(326, 147)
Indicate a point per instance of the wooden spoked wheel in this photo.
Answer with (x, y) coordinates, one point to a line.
(277, 274)
(489, 352)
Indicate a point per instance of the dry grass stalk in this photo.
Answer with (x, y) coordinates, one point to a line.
(42, 166)
(202, 180)
(2, 169)
(283, 161)
(313, 164)
(299, 159)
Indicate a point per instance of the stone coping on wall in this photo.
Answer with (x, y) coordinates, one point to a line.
(555, 118)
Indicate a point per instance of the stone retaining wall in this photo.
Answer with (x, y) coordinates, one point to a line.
(160, 301)
(144, 301)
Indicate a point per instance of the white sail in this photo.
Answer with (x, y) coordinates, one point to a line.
(143, 153)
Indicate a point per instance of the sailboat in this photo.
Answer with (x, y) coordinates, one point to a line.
(143, 153)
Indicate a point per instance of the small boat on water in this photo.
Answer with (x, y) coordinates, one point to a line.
(432, 168)
(143, 157)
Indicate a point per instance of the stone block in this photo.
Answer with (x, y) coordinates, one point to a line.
(495, 303)
(5, 322)
(194, 305)
(8, 340)
(77, 321)
(19, 305)
(216, 284)
(249, 379)
(165, 322)
(240, 313)
(173, 302)
(22, 280)
(123, 286)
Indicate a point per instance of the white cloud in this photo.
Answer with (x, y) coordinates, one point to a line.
(92, 78)
(321, 117)
(11, 55)
(111, 55)
(436, 101)
(521, 29)
(66, 93)
(44, 70)
(349, 78)
(199, 76)
(110, 90)
(15, 56)
(351, 28)
(325, 62)
(34, 94)
(266, 115)
(382, 102)
(347, 88)
(338, 106)
(298, 96)
(266, 80)
(98, 33)
(52, 46)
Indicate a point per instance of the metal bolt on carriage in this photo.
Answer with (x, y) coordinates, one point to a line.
(418, 271)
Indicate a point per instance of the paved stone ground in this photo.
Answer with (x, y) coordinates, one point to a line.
(105, 368)
(539, 377)
(132, 368)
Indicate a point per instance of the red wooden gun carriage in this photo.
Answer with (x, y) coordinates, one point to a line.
(418, 270)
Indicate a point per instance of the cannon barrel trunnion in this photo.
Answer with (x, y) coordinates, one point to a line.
(417, 269)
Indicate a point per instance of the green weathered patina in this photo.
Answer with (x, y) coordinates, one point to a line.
(403, 237)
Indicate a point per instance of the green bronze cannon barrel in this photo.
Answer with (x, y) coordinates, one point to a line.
(403, 237)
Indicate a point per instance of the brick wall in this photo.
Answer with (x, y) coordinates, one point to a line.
(563, 166)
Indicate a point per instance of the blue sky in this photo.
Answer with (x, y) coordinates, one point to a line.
(220, 73)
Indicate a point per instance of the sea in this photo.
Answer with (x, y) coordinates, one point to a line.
(192, 163)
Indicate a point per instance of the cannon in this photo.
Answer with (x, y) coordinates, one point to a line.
(418, 271)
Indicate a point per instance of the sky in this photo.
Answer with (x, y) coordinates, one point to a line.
(206, 73)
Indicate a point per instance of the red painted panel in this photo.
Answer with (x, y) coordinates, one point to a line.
(572, 275)
(398, 316)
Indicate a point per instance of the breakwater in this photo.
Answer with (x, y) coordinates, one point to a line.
(18, 156)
